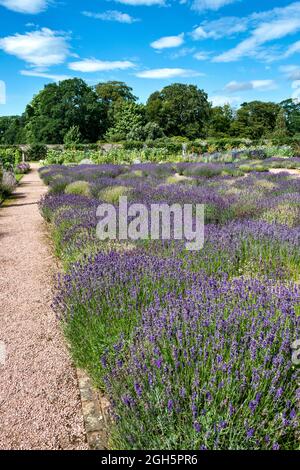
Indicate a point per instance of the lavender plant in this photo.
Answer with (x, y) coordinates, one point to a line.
(193, 349)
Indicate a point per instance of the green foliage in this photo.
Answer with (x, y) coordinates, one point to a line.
(81, 188)
(292, 112)
(204, 171)
(74, 113)
(286, 214)
(179, 109)
(111, 95)
(36, 152)
(255, 120)
(73, 136)
(128, 122)
(9, 157)
(113, 193)
(281, 130)
(58, 107)
(12, 130)
(152, 131)
(220, 121)
(113, 91)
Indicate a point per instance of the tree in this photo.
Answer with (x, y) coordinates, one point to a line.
(255, 120)
(292, 112)
(73, 136)
(129, 121)
(281, 129)
(220, 121)
(111, 94)
(12, 130)
(152, 131)
(58, 107)
(112, 91)
(179, 110)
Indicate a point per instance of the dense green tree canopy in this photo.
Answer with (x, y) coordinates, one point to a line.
(220, 121)
(129, 121)
(292, 111)
(111, 95)
(112, 91)
(58, 107)
(255, 120)
(73, 136)
(281, 130)
(12, 130)
(179, 110)
(71, 111)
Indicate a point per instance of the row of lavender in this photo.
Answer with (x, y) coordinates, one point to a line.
(192, 349)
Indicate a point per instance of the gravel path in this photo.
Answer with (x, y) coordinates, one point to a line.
(39, 399)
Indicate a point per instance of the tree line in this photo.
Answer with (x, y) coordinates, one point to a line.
(73, 112)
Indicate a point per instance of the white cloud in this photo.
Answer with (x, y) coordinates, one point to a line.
(260, 85)
(94, 65)
(111, 15)
(200, 5)
(292, 72)
(292, 49)
(296, 84)
(227, 26)
(201, 55)
(146, 3)
(220, 100)
(41, 48)
(168, 73)
(296, 95)
(269, 26)
(168, 42)
(183, 52)
(54, 77)
(25, 6)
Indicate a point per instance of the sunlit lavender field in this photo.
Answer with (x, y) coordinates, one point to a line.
(193, 349)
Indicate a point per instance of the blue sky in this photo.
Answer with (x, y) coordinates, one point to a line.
(236, 50)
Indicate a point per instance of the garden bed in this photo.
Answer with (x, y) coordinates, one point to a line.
(193, 349)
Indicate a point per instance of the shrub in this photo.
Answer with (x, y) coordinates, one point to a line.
(80, 188)
(22, 168)
(37, 152)
(180, 179)
(133, 145)
(286, 214)
(205, 171)
(113, 193)
(153, 131)
(10, 157)
(73, 136)
(8, 183)
(260, 168)
(209, 370)
(132, 174)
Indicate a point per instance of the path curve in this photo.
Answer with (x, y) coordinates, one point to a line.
(40, 405)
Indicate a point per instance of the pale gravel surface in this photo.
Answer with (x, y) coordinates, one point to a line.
(40, 405)
(275, 171)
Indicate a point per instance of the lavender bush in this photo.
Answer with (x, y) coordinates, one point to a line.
(209, 370)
